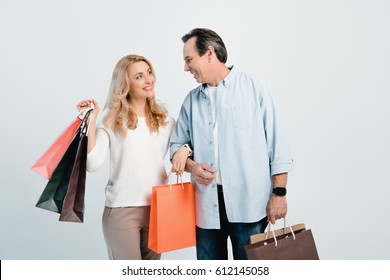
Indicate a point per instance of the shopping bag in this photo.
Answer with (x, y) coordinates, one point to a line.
(52, 197)
(46, 164)
(54, 193)
(172, 217)
(293, 243)
(73, 206)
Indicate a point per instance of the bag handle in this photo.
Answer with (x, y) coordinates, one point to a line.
(81, 114)
(168, 182)
(269, 226)
(85, 116)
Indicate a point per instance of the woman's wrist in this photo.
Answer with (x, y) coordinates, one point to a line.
(188, 149)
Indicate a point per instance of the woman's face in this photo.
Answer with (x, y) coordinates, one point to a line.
(141, 81)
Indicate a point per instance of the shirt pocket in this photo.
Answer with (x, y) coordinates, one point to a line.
(245, 117)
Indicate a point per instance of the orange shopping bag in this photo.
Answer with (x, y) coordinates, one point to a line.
(172, 217)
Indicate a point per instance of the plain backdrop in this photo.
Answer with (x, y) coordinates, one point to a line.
(328, 63)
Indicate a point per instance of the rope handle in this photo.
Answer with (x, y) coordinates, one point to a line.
(168, 181)
(81, 114)
(269, 226)
(84, 127)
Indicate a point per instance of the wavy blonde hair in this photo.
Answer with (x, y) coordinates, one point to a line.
(120, 115)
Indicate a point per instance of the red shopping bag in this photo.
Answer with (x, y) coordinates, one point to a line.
(172, 217)
(46, 164)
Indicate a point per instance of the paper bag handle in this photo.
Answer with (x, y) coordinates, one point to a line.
(269, 226)
(85, 117)
(168, 182)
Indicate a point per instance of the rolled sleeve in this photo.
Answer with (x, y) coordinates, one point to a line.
(280, 168)
(280, 157)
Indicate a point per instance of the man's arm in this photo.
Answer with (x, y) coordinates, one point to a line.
(277, 205)
(280, 158)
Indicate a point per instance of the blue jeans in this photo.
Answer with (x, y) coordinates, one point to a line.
(211, 244)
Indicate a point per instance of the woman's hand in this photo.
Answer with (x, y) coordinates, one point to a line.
(179, 160)
(86, 104)
(89, 103)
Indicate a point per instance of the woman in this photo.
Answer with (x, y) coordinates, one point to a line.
(136, 130)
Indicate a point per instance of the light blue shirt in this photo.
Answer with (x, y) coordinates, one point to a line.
(251, 147)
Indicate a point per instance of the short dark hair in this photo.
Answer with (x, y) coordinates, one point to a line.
(205, 38)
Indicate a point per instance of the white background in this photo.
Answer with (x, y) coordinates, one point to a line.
(328, 62)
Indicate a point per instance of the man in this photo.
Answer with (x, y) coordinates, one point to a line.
(240, 155)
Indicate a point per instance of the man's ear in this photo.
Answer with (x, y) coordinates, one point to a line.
(210, 50)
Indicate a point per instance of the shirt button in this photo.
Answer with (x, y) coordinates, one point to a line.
(215, 205)
(211, 142)
(212, 164)
(210, 123)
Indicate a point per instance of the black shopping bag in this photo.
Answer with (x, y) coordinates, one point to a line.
(54, 193)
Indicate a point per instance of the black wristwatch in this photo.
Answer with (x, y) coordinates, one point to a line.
(279, 191)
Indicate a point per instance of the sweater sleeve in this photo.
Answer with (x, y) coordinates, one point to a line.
(96, 157)
(181, 132)
(167, 131)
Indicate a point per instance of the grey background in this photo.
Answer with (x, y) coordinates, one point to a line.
(328, 62)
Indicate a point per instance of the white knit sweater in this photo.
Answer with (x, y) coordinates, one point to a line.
(136, 162)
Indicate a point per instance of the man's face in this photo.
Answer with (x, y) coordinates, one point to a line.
(194, 63)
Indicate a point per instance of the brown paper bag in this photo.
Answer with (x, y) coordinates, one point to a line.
(283, 245)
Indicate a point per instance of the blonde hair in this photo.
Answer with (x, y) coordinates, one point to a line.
(120, 115)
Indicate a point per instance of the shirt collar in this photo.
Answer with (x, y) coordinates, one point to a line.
(229, 77)
(226, 81)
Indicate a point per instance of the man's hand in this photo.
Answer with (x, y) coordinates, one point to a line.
(202, 173)
(276, 208)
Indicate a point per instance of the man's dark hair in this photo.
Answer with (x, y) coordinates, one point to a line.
(204, 39)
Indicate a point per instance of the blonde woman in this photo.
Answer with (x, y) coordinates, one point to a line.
(136, 131)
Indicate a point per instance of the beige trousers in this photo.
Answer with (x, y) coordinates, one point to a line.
(126, 231)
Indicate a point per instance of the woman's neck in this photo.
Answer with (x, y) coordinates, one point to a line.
(138, 107)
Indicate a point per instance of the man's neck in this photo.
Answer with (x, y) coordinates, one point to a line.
(221, 71)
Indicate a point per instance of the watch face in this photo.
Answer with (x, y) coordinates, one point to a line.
(279, 191)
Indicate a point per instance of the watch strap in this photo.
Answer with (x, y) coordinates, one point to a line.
(189, 149)
(279, 191)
